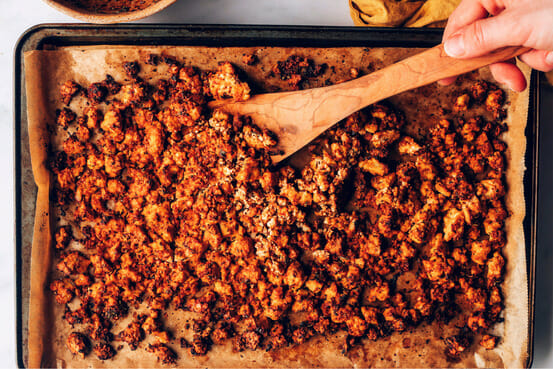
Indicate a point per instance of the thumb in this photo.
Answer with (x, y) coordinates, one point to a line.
(483, 36)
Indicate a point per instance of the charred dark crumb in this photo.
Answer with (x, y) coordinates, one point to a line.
(296, 69)
(78, 344)
(248, 340)
(349, 343)
(104, 351)
(184, 343)
(97, 92)
(170, 60)
(500, 114)
(153, 59)
(111, 85)
(163, 353)
(62, 197)
(131, 69)
(250, 59)
(59, 161)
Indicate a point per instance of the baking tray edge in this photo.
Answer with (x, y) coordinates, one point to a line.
(40, 36)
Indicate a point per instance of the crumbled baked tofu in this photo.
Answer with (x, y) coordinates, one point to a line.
(172, 205)
(224, 84)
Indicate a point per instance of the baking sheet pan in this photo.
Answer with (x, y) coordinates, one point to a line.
(49, 36)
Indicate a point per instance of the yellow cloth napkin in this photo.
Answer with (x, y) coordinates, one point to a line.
(405, 13)
(401, 13)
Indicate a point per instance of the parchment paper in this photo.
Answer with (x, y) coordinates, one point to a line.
(423, 346)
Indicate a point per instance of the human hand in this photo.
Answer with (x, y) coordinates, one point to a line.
(477, 27)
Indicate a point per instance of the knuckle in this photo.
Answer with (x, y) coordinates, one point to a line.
(478, 35)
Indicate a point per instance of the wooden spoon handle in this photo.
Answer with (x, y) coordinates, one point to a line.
(418, 70)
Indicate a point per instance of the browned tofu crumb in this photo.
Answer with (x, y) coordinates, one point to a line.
(63, 236)
(224, 84)
(462, 103)
(104, 351)
(69, 90)
(456, 345)
(163, 353)
(132, 335)
(489, 342)
(78, 344)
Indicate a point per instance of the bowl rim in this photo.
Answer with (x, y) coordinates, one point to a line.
(92, 17)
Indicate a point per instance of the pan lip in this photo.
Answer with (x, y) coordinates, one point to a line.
(531, 185)
(63, 34)
(39, 35)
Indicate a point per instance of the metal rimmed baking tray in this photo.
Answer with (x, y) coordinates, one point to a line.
(50, 36)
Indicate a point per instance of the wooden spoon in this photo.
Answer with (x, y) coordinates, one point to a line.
(298, 117)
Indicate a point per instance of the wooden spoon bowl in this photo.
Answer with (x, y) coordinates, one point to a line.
(68, 7)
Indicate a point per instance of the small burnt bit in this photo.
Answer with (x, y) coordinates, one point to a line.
(111, 85)
(297, 69)
(153, 59)
(97, 92)
(131, 69)
(250, 59)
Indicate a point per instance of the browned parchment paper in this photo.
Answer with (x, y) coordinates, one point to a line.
(45, 71)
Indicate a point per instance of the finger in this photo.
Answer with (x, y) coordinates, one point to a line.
(508, 74)
(485, 35)
(469, 11)
(447, 81)
(541, 60)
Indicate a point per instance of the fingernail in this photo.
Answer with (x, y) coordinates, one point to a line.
(454, 46)
(549, 58)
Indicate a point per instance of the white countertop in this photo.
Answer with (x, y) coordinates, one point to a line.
(18, 15)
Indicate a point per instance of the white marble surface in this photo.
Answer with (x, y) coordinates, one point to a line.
(18, 15)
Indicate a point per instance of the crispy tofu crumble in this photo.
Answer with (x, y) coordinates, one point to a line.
(174, 205)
